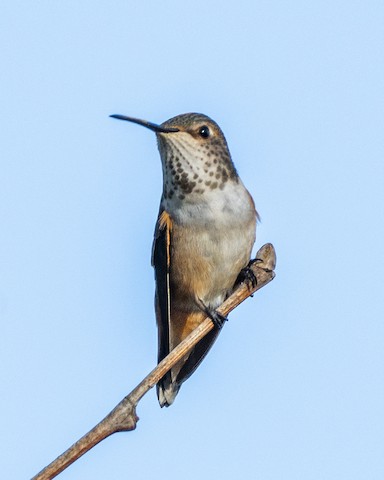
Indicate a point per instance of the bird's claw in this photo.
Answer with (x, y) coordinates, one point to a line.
(217, 318)
(247, 275)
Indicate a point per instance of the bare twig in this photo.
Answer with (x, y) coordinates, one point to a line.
(123, 417)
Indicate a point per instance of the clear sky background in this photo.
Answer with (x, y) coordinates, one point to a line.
(293, 389)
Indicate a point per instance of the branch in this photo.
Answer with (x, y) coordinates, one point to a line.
(123, 417)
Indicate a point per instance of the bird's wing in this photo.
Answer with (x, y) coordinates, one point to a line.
(161, 261)
(169, 385)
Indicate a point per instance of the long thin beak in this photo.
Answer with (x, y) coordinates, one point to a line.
(152, 126)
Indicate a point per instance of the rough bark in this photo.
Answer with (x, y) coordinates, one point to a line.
(123, 417)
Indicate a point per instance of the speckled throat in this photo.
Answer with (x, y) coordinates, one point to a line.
(194, 164)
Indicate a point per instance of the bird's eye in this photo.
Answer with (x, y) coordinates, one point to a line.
(204, 131)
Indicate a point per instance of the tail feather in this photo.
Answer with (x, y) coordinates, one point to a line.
(167, 390)
(169, 386)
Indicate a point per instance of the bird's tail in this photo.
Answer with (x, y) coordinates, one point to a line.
(169, 386)
(167, 390)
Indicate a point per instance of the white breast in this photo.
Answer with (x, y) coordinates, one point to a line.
(221, 235)
(231, 206)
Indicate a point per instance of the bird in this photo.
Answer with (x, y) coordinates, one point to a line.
(203, 239)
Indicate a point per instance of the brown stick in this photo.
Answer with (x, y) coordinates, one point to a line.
(123, 417)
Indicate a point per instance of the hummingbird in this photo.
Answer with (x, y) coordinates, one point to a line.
(203, 237)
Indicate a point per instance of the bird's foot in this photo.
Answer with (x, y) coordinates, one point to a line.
(217, 318)
(246, 275)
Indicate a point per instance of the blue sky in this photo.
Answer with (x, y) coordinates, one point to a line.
(293, 389)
